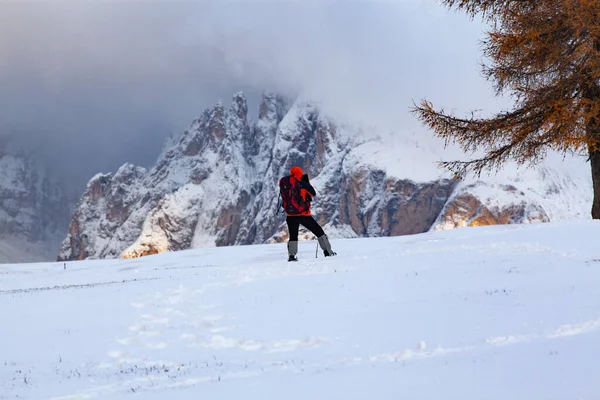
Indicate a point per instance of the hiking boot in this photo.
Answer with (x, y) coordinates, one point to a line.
(292, 248)
(326, 246)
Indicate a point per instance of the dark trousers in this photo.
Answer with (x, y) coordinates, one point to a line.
(308, 222)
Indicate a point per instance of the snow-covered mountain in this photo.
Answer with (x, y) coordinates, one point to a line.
(557, 189)
(34, 211)
(216, 185)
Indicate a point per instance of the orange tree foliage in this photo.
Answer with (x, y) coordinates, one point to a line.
(546, 55)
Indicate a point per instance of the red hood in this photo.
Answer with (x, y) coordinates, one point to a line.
(296, 172)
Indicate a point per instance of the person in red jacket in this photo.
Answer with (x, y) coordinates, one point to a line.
(297, 192)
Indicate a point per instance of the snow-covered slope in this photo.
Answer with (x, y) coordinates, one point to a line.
(34, 212)
(216, 185)
(505, 312)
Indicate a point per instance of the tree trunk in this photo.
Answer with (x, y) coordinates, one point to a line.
(593, 134)
(595, 163)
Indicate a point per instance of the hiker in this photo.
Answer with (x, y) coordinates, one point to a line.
(296, 193)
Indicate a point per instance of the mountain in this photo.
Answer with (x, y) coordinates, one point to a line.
(216, 185)
(557, 189)
(34, 211)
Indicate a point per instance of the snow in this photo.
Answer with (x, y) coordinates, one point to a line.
(505, 312)
(401, 156)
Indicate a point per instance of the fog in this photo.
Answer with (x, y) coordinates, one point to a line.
(93, 84)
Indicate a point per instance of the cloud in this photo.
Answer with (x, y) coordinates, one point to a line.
(96, 83)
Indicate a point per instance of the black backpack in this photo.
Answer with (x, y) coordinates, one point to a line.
(292, 201)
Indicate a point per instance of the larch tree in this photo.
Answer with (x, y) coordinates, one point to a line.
(546, 55)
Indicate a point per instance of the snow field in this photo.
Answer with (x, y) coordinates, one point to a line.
(506, 312)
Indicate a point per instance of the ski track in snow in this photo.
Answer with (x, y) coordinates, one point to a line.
(188, 326)
(66, 287)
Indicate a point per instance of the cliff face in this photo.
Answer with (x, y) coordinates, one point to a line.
(216, 185)
(34, 211)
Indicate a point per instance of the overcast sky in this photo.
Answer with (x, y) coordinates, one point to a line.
(93, 83)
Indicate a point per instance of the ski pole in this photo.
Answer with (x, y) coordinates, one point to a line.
(317, 250)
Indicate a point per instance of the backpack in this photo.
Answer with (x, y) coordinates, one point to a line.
(292, 201)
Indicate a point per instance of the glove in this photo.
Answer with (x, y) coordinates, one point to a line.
(305, 178)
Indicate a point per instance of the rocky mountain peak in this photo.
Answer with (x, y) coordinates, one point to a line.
(273, 108)
(239, 107)
(216, 124)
